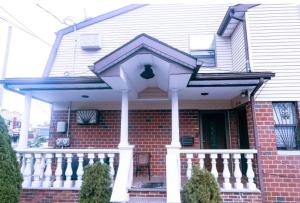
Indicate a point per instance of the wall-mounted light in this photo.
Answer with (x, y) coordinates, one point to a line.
(148, 72)
(204, 93)
(244, 93)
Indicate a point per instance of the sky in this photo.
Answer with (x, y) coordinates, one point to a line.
(29, 52)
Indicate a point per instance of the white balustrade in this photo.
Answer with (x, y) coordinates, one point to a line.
(27, 170)
(250, 173)
(79, 170)
(201, 160)
(48, 172)
(237, 172)
(214, 165)
(214, 158)
(111, 165)
(189, 165)
(37, 170)
(69, 172)
(58, 172)
(43, 168)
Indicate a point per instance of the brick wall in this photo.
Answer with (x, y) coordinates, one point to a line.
(281, 174)
(149, 130)
(68, 196)
(49, 196)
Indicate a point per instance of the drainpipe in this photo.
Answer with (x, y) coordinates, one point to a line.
(256, 136)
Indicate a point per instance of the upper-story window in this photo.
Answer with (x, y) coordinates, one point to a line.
(203, 47)
(285, 118)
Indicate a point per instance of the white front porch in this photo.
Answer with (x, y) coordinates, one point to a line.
(141, 75)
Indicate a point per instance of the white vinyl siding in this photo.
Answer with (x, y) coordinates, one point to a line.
(238, 49)
(274, 45)
(172, 24)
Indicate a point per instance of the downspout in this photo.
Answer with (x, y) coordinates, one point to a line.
(69, 116)
(256, 136)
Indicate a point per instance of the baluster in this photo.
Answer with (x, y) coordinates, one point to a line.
(27, 170)
(101, 157)
(23, 160)
(214, 171)
(250, 173)
(226, 172)
(18, 158)
(48, 171)
(78, 183)
(91, 157)
(111, 165)
(189, 165)
(58, 171)
(37, 171)
(68, 182)
(237, 171)
(201, 160)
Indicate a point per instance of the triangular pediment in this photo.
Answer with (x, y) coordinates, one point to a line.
(144, 44)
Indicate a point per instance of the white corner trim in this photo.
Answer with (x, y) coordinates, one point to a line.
(288, 152)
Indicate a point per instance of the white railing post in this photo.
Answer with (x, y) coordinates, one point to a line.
(91, 157)
(189, 165)
(27, 170)
(48, 172)
(37, 170)
(226, 172)
(214, 171)
(237, 171)
(250, 173)
(68, 173)
(78, 183)
(111, 166)
(58, 172)
(201, 160)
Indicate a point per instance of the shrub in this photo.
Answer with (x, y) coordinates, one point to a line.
(10, 176)
(96, 184)
(201, 188)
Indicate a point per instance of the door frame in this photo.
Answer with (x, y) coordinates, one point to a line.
(226, 118)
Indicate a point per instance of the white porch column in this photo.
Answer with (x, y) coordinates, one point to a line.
(124, 120)
(175, 119)
(25, 122)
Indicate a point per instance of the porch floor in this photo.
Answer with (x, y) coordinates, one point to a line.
(156, 183)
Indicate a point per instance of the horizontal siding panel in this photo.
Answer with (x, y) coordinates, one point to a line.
(154, 20)
(274, 36)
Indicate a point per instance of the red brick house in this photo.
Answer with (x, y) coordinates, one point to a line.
(185, 84)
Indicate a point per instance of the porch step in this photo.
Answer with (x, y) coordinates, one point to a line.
(148, 195)
(147, 192)
(147, 200)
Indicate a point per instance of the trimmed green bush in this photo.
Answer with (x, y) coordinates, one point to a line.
(96, 184)
(201, 188)
(10, 175)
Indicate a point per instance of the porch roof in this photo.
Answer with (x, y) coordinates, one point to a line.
(233, 79)
(62, 89)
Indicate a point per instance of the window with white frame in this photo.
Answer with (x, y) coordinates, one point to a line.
(284, 114)
(203, 47)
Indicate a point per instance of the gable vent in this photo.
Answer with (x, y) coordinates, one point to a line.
(90, 42)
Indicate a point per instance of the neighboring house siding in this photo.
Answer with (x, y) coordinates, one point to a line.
(172, 24)
(238, 49)
(274, 45)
